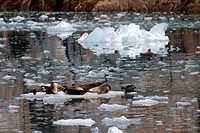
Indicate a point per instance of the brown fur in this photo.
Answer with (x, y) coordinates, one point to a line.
(88, 86)
(56, 88)
(103, 88)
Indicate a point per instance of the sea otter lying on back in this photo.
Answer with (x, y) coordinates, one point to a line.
(75, 89)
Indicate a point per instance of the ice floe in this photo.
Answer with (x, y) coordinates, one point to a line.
(121, 122)
(62, 29)
(13, 108)
(129, 40)
(75, 122)
(114, 130)
(61, 97)
(113, 107)
(149, 100)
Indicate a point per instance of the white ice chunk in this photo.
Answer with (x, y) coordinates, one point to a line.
(121, 122)
(18, 18)
(183, 103)
(62, 97)
(13, 107)
(2, 21)
(159, 29)
(114, 130)
(128, 40)
(43, 17)
(73, 122)
(113, 107)
(59, 98)
(145, 102)
(8, 77)
(62, 29)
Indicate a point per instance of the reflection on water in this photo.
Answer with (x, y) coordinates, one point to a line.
(30, 58)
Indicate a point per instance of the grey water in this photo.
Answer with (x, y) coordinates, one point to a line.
(30, 56)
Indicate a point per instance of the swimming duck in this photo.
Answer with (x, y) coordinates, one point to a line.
(129, 88)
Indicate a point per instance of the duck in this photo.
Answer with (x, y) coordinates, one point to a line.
(128, 88)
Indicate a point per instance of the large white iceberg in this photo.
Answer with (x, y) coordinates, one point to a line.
(129, 40)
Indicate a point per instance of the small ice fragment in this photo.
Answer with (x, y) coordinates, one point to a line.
(18, 18)
(145, 102)
(121, 122)
(114, 130)
(73, 122)
(113, 107)
(13, 107)
(43, 17)
(183, 103)
(8, 77)
(62, 29)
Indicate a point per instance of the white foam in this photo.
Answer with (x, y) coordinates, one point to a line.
(74, 122)
(113, 107)
(129, 40)
(121, 122)
(114, 130)
(62, 29)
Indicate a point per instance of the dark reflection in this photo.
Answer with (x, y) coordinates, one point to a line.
(42, 115)
(18, 44)
(186, 40)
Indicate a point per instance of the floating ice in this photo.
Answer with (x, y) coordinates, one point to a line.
(128, 40)
(58, 99)
(2, 21)
(113, 107)
(183, 103)
(74, 122)
(43, 17)
(8, 77)
(62, 29)
(18, 18)
(121, 122)
(149, 100)
(13, 108)
(145, 102)
(114, 130)
(61, 97)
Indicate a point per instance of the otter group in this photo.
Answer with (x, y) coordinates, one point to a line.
(74, 89)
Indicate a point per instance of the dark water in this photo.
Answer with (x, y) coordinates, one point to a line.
(29, 57)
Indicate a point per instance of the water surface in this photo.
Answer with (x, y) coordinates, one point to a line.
(31, 57)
